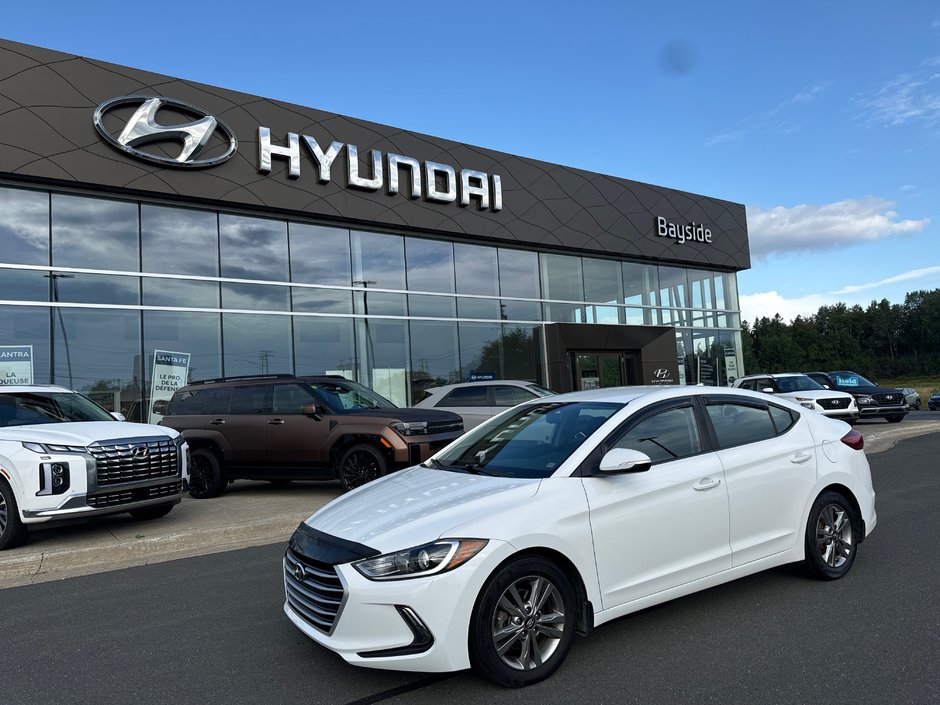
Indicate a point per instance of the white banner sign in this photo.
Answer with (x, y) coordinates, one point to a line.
(170, 372)
(16, 364)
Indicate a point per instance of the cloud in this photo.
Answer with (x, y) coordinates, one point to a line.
(816, 228)
(774, 120)
(896, 279)
(907, 98)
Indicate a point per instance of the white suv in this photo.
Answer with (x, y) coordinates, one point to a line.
(805, 391)
(64, 457)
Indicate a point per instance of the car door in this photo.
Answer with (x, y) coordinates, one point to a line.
(293, 439)
(769, 456)
(664, 527)
(244, 426)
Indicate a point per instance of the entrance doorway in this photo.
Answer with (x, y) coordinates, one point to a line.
(593, 370)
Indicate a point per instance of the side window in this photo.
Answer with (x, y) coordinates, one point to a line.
(221, 401)
(782, 418)
(189, 402)
(504, 395)
(247, 400)
(289, 398)
(466, 396)
(748, 384)
(736, 424)
(665, 436)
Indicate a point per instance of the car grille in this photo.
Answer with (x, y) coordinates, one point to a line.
(839, 403)
(139, 494)
(314, 591)
(883, 400)
(135, 459)
(445, 426)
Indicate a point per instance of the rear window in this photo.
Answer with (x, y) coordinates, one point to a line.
(189, 402)
(466, 396)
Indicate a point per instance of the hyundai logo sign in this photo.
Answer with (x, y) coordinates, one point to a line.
(661, 373)
(142, 128)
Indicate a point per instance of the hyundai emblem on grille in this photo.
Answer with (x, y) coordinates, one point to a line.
(141, 452)
(299, 573)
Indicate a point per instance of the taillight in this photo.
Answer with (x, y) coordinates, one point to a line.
(854, 440)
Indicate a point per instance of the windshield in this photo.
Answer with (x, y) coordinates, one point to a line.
(850, 379)
(345, 396)
(798, 384)
(48, 407)
(530, 442)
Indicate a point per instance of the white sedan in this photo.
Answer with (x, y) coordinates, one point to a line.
(568, 512)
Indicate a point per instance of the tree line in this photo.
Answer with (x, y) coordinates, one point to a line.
(882, 340)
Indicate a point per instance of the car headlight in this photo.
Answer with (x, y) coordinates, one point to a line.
(429, 559)
(806, 402)
(864, 399)
(410, 428)
(46, 448)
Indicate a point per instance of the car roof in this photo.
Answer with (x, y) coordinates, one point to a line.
(776, 375)
(35, 388)
(481, 382)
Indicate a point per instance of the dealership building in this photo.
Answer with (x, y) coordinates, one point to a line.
(155, 230)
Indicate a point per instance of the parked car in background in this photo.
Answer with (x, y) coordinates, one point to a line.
(912, 398)
(475, 402)
(934, 402)
(805, 392)
(282, 427)
(568, 512)
(873, 400)
(63, 457)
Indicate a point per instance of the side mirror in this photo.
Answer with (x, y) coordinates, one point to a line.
(768, 390)
(312, 410)
(118, 415)
(624, 460)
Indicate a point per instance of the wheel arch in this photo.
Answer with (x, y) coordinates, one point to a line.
(348, 440)
(849, 496)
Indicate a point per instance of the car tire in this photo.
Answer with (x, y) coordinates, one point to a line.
(13, 532)
(205, 474)
(360, 464)
(514, 642)
(831, 540)
(153, 512)
(895, 419)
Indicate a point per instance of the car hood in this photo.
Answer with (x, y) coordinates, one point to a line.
(82, 433)
(816, 394)
(405, 414)
(417, 505)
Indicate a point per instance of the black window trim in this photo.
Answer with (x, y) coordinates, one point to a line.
(712, 399)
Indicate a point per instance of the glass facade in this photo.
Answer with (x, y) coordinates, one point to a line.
(96, 285)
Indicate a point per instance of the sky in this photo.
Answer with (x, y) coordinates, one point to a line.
(822, 118)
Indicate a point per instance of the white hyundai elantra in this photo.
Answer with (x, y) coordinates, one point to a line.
(567, 512)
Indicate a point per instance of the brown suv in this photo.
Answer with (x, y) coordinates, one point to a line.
(281, 428)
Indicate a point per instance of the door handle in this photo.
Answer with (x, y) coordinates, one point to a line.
(216, 422)
(706, 483)
(801, 457)
(276, 422)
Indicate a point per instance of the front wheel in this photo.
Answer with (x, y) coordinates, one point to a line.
(830, 537)
(360, 464)
(895, 419)
(523, 623)
(13, 532)
(205, 474)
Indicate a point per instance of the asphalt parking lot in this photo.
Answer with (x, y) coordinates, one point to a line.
(248, 514)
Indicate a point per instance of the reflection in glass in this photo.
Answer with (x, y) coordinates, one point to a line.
(95, 289)
(520, 310)
(94, 233)
(324, 346)
(640, 285)
(430, 265)
(477, 270)
(478, 308)
(673, 287)
(179, 241)
(603, 281)
(521, 353)
(253, 248)
(321, 300)
(701, 287)
(431, 306)
(378, 261)
(385, 348)
(258, 297)
(519, 274)
(23, 285)
(29, 325)
(481, 351)
(256, 344)
(319, 255)
(562, 279)
(380, 304)
(184, 293)
(24, 226)
(434, 358)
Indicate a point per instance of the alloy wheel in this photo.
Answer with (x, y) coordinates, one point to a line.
(834, 539)
(528, 623)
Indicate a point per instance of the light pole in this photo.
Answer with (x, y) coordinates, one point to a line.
(370, 353)
(54, 277)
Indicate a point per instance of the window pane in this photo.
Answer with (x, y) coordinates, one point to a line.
(736, 424)
(379, 304)
(434, 359)
(673, 287)
(321, 300)
(248, 400)
(179, 241)
(480, 349)
(478, 308)
(259, 297)
(198, 334)
(430, 265)
(324, 346)
(431, 306)
(23, 285)
(94, 233)
(29, 325)
(562, 278)
(24, 226)
(185, 293)
(522, 359)
(96, 289)
(289, 398)
(319, 255)
(518, 274)
(783, 418)
(665, 436)
(520, 310)
(477, 270)
(466, 396)
(603, 281)
(510, 396)
(386, 345)
(256, 344)
(253, 248)
(378, 261)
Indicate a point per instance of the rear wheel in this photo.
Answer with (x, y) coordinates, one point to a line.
(830, 537)
(895, 419)
(13, 532)
(523, 623)
(360, 464)
(205, 474)
(153, 512)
